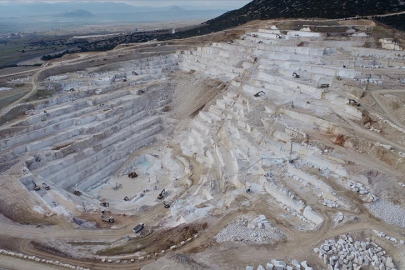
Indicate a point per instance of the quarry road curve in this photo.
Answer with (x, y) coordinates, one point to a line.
(385, 109)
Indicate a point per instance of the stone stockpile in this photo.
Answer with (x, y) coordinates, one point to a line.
(257, 231)
(347, 253)
(281, 265)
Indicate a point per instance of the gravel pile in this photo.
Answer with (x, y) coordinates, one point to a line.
(390, 213)
(258, 231)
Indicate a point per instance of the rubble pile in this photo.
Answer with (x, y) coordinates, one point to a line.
(338, 218)
(383, 235)
(346, 253)
(280, 265)
(58, 78)
(257, 231)
(366, 195)
(5, 89)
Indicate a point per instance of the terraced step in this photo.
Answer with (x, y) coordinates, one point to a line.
(104, 160)
(98, 141)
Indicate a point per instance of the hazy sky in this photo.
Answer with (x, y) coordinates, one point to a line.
(224, 3)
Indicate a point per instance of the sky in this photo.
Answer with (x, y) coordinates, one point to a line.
(226, 4)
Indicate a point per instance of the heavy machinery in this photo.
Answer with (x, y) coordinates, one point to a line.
(107, 219)
(36, 188)
(352, 101)
(104, 204)
(139, 227)
(126, 198)
(45, 186)
(295, 75)
(258, 94)
(77, 192)
(160, 196)
(132, 174)
(166, 205)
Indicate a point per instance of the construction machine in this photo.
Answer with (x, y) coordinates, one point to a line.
(166, 205)
(139, 227)
(295, 75)
(107, 219)
(132, 174)
(104, 204)
(259, 93)
(160, 196)
(36, 188)
(77, 192)
(45, 186)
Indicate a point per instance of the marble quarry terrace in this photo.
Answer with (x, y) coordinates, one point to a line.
(275, 149)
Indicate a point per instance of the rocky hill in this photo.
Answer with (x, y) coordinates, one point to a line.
(272, 9)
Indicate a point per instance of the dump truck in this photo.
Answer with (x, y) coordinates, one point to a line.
(139, 227)
(107, 219)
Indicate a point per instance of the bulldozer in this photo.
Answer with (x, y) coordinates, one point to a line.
(160, 196)
(132, 175)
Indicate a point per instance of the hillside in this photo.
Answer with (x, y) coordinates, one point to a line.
(264, 10)
(271, 9)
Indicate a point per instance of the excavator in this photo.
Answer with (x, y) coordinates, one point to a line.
(258, 94)
(160, 196)
(36, 188)
(295, 75)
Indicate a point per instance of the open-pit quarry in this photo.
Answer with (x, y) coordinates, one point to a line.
(274, 145)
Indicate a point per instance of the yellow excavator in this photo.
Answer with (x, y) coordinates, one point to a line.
(160, 196)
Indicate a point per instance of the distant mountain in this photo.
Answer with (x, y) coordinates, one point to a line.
(175, 8)
(78, 13)
(22, 9)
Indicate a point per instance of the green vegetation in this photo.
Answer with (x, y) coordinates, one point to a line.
(54, 56)
(18, 49)
(397, 22)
